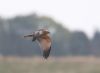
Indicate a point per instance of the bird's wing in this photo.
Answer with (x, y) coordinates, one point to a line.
(28, 36)
(31, 36)
(45, 44)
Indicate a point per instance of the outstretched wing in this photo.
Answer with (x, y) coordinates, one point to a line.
(28, 36)
(31, 36)
(45, 44)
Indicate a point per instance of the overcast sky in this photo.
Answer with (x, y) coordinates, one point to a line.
(74, 14)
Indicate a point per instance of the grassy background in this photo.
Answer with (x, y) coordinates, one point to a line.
(52, 65)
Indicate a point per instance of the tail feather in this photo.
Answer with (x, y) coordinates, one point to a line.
(46, 53)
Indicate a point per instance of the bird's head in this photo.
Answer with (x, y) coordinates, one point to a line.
(43, 31)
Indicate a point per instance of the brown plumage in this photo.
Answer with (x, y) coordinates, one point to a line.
(42, 36)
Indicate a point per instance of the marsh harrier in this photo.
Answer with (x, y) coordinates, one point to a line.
(43, 37)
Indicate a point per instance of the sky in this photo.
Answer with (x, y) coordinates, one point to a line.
(81, 15)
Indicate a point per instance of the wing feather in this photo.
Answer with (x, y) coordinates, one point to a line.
(45, 44)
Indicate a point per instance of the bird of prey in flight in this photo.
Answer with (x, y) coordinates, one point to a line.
(43, 37)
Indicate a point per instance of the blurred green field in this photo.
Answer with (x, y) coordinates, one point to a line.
(52, 65)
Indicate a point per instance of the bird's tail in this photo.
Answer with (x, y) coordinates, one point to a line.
(46, 53)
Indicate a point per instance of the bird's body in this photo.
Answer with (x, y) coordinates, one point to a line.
(43, 37)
